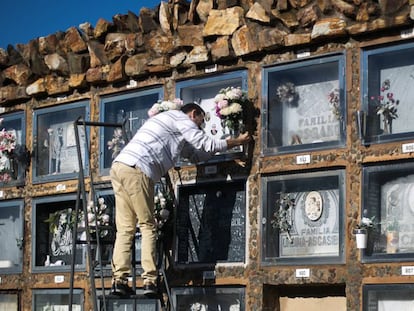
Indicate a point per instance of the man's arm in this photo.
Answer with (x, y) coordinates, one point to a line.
(240, 140)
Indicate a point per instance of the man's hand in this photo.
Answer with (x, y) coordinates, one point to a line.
(240, 140)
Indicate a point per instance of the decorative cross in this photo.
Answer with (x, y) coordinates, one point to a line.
(131, 118)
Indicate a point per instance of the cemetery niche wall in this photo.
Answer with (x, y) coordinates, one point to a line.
(328, 86)
(304, 105)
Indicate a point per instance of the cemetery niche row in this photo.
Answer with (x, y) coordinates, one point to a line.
(302, 221)
(210, 228)
(303, 109)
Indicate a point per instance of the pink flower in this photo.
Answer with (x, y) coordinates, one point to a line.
(5, 177)
(223, 103)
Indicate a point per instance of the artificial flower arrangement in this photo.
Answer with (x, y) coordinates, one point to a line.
(281, 219)
(163, 203)
(165, 105)
(96, 215)
(362, 229)
(386, 105)
(117, 142)
(366, 224)
(229, 105)
(286, 93)
(7, 146)
(333, 98)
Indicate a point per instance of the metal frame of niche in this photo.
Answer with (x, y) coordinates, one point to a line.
(291, 92)
(387, 75)
(54, 142)
(193, 90)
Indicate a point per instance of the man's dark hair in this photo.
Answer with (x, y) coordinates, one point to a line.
(191, 106)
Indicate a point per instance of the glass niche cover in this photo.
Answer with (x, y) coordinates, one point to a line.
(387, 94)
(9, 301)
(12, 236)
(14, 155)
(57, 299)
(388, 297)
(389, 200)
(303, 217)
(211, 93)
(113, 303)
(52, 247)
(131, 108)
(303, 105)
(209, 298)
(211, 223)
(55, 146)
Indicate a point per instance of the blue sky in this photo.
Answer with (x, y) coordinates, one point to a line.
(24, 20)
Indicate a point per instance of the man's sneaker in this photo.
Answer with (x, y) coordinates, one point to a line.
(150, 290)
(121, 289)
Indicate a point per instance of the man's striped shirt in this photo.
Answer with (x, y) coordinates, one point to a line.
(162, 139)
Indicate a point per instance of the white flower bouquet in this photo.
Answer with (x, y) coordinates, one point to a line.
(116, 143)
(165, 105)
(229, 105)
(97, 216)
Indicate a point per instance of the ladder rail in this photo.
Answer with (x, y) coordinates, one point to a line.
(163, 257)
(163, 254)
(82, 202)
(81, 196)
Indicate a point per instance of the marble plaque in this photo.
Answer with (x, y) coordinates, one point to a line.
(315, 225)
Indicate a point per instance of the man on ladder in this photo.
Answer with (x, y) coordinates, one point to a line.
(150, 154)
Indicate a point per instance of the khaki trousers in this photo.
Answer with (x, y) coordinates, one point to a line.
(134, 203)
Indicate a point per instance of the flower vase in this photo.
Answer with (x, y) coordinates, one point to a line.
(236, 128)
(81, 231)
(361, 236)
(47, 261)
(387, 123)
(385, 126)
(234, 132)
